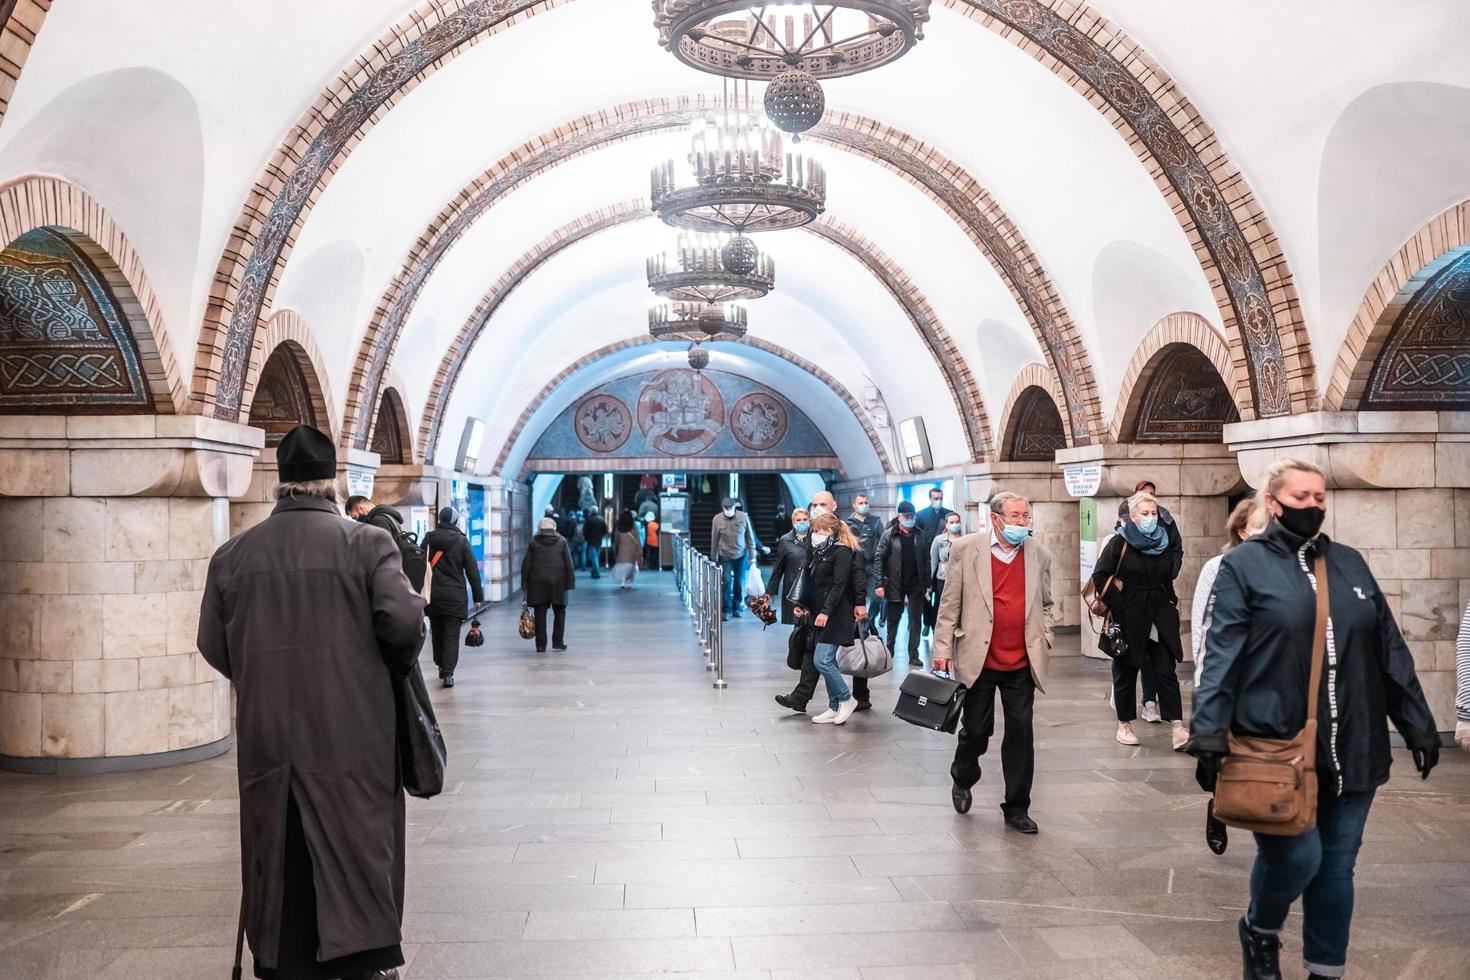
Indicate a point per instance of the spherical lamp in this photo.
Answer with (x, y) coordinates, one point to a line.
(794, 101)
(739, 256)
(698, 358)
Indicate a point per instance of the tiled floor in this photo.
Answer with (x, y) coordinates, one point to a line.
(610, 815)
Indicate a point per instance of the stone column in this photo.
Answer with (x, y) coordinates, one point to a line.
(509, 534)
(106, 528)
(1399, 487)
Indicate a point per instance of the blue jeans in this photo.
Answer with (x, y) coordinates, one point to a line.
(1317, 867)
(825, 660)
(733, 583)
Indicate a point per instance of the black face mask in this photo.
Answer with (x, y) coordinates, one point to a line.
(361, 518)
(1304, 522)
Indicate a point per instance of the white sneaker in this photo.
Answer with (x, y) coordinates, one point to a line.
(1125, 733)
(1151, 712)
(826, 718)
(844, 711)
(1180, 736)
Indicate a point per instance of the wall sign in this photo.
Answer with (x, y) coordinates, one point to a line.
(1083, 481)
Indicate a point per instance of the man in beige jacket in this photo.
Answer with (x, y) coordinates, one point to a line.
(994, 630)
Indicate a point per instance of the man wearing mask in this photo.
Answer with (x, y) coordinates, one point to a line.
(932, 518)
(868, 530)
(823, 503)
(782, 523)
(902, 571)
(364, 511)
(730, 543)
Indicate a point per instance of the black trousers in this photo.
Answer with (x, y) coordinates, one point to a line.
(931, 605)
(558, 627)
(1160, 665)
(1017, 747)
(444, 634)
(893, 610)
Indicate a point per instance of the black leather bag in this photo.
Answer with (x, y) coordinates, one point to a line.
(794, 595)
(421, 752)
(798, 646)
(474, 638)
(930, 701)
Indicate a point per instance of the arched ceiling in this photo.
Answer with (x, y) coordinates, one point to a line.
(1104, 251)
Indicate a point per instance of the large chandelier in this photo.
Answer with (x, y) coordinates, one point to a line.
(743, 181)
(702, 270)
(697, 322)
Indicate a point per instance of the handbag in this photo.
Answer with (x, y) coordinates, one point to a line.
(1110, 636)
(930, 701)
(1111, 640)
(867, 656)
(798, 646)
(1095, 605)
(421, 752)
(474, 638)
(1269, 785)
(798, 587)
(527, 626)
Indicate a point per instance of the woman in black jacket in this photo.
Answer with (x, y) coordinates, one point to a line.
(829, 598)
(1141, 600)
(1255, 681)
(792, 551)
(546, 578)
(454, 564)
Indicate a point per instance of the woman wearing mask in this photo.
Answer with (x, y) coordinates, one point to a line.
(792, 551)
(1255, 683)
(627, 551)
(829, 598)
(1141, 600)
(456, 579)
(939, 564)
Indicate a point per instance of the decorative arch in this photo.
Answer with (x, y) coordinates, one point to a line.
(1215, 206)
(1031, 424)
(1422, 263)
(1176, 329)
(837, 388)
(288, 335)
(392, 439)
(76, 231)
(22, 20)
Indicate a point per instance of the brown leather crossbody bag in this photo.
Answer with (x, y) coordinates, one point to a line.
(1269, 785)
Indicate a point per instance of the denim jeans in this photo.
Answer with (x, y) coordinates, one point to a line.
(825, 660)
(733, 584)
(1317, 867)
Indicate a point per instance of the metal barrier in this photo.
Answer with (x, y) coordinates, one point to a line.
(699, 581)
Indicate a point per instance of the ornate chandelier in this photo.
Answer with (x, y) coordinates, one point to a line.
(697, 322)
(743, 181)
(702, 271)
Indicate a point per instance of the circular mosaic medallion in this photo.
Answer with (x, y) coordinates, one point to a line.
(758, 421)
(603, 423)
(680, 412)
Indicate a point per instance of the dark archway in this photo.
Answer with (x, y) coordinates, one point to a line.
(1183, 399)
(1035, 432)
(391, 439)
(1425, 361)
(283, 398)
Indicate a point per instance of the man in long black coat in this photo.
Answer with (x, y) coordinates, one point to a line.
(311, 616)
(455, 577)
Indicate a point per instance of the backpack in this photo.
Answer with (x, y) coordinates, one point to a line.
(415, 564)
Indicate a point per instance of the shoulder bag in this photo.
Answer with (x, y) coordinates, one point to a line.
(1110, 636)
(867, 656)
(421, 752)
(930, 701)
(1269, 785)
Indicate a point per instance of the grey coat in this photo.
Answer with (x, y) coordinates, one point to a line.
(308, 613)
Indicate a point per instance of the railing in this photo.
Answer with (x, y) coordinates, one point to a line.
(699, 581)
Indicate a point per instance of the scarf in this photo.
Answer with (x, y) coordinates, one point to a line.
(1148, 544)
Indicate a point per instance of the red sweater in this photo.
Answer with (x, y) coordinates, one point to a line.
(1008, 631)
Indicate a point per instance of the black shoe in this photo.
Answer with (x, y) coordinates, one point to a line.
(448, 680)
(1215, 834)
(1260, 952)
(559, 646)
(786, 701)
(540, 649)
(915, 662)
(961, 797)
(863, 706)
(1022, 823)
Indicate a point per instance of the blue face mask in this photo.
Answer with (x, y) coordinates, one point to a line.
(907, 522)
(803, 526)
(1148, 524)
(1014, 533)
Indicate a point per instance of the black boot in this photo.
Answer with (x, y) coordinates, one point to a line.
(1215, 834)
(1260, 952)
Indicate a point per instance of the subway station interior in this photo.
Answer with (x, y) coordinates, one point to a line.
(633, 260)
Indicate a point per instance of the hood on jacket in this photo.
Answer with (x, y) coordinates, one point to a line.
(547, 538)
(384, 510)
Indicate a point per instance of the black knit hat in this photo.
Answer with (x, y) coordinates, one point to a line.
(905, 507)
(306, 454)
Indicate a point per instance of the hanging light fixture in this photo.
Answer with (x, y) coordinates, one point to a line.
(701, 270)
(698, 357)
(697, 322)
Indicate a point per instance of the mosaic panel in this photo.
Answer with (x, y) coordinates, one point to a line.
(1186, 400)
(64, 341)
(1425, 363)
(1038, 428)
(388, 432)
(282, 397)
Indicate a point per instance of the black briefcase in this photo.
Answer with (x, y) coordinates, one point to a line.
(930, 701)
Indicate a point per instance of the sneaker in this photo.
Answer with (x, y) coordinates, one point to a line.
(1125, 733)
(1180, 736)
(560, 647)
(864, 706)
(1260, 952)
(825, 718)
(844, 711)
(1151, 712)
(448, 680)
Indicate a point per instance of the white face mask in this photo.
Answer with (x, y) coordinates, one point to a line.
(820, 539)
(954, 529)
(729, 511)
(819, 509)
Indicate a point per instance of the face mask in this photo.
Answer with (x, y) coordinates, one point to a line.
(820, 539)
(819, 509)
(936, 504)
(729, 511)
(361, 518)
(1148, 524)
(1014, 533)
(906, 522)
(862, 508)
(1304, 522)
(953, 529)
(803, 526)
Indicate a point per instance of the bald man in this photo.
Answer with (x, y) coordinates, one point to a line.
(823, 500)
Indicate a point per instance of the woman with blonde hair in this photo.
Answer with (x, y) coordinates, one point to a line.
(828, 597)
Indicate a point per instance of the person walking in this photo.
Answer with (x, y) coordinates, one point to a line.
(651, 559)
(994, 632)
(1150, 711)
(547, 576)
(792, 551)
(311, 617)
(902, 570)
(782, 523)
(828, 599)
(802, 645)
(1142, 602)
(454, 566)
(1262, 634)
(939, 550)
(931, 519)
(868, 530)
(627, 552)
(566, 525)
(593, 531)
(415, 566)
(731, 544)
(579, 541)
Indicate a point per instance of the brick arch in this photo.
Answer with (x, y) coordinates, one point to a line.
(392, 432)
(289, 328)
(28, 203)
(1032, 378)
(1428, 252)
(837, 388)
(22, 20)
(1206, 190)
(931, 331)
(1176, 328)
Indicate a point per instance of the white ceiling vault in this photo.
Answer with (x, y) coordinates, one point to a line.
(1349, 120)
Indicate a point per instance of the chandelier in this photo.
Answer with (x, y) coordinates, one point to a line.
(698, 357)
(697, 322)
(703, 271)
(742, 180)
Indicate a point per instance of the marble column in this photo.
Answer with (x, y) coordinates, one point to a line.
(1399, 491)
(106, 528)
(509, 534)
